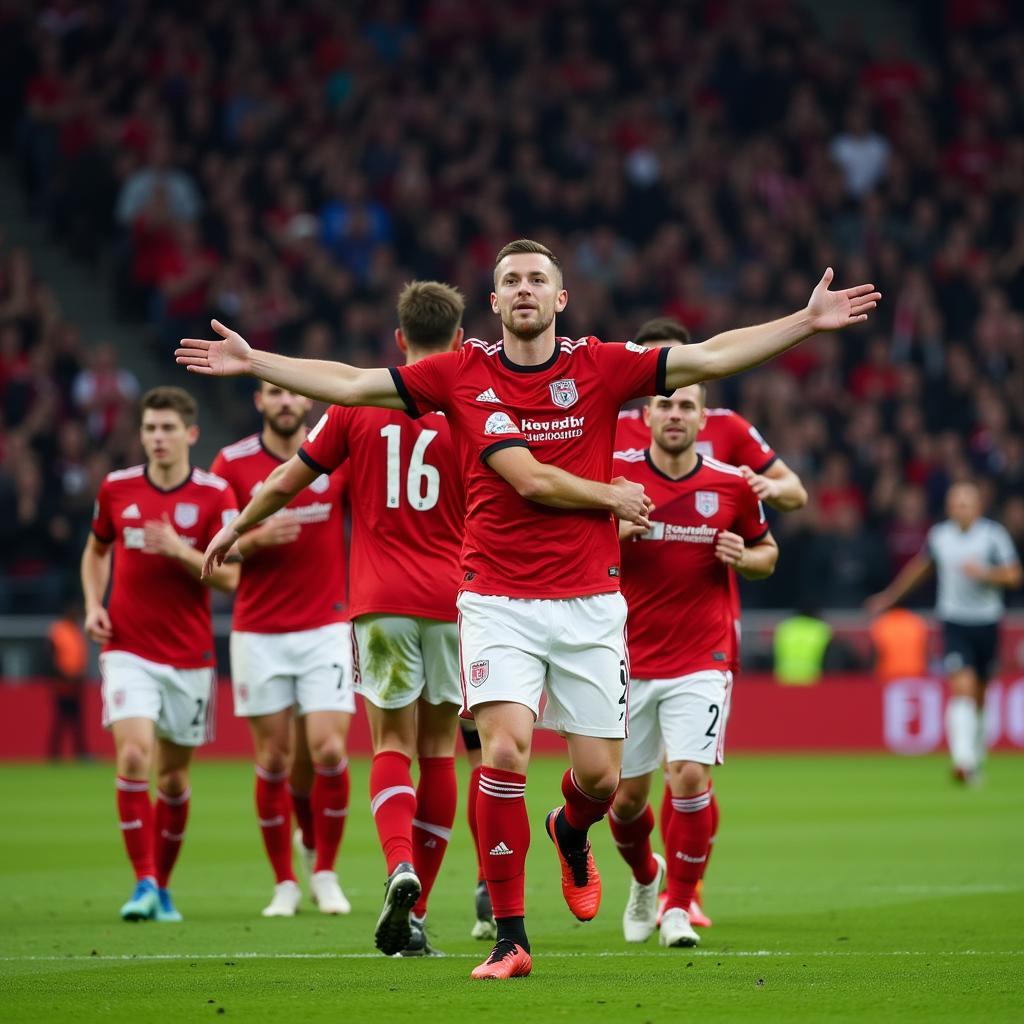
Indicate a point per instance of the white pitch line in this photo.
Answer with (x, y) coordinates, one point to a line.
(707, 954)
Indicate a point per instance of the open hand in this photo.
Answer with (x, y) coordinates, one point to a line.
(218, 548)
(830, 311)
(226, 358)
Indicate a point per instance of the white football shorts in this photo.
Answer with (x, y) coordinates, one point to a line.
(684, 718)
(309, 670)
(179, 700)
(401, 658)
(572, 650)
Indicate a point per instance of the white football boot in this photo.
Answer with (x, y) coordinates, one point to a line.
(327, 894)
(285, 903)
(676, 929)
(641, 916)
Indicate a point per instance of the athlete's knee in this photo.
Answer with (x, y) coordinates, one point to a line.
(505, 752)
(328, 750)
(273, 758)
(134, 760)
(688, 778)
(600, 783)
(173, 782)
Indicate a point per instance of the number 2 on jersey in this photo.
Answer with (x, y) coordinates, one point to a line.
(422, 481)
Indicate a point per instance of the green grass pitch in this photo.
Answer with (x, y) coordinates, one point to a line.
(843, 889)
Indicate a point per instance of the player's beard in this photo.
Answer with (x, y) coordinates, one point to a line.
(532, 329)
(676, 447)
(285, 429)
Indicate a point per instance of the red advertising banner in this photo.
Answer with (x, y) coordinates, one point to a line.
(843, 713)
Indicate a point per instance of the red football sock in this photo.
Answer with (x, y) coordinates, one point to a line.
(330, 807)
(665, 814)
(633, 839)
(136, 815)
(303, 808)
(504, 838)
(274, 818)
(714, 832)
(581, 809)
(436, 797)
(689, 833)
(169, 832)
(471, 798)
(393, 805)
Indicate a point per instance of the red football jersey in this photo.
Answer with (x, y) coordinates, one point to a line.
(157, 610)
(680, 608)
(408, 508)
(296, 586)
(564, 410)
(726, 436)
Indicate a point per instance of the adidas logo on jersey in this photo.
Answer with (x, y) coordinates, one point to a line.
(488, 396)
(501, 850)
(131, 512)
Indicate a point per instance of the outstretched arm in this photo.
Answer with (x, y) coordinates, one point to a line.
(733, 351)
(908, 577)
(278, 489)
(338, 383)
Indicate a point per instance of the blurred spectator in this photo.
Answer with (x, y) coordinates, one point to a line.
(800, 643)
(900, 640)
(863, 154)
(140, 186)
(69, 662)
(102, 390)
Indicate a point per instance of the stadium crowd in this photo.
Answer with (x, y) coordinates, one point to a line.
(286, 167)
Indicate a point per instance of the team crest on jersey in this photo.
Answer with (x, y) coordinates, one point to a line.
(478, 672)
(186, 514)
(564, 393)
(707, 503)
(320, 484)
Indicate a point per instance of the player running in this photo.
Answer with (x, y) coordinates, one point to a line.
(675, 578)
(976, 561)
(408, 508)
(291, 649)
(534, 417)
(731, 439)
(157, 662)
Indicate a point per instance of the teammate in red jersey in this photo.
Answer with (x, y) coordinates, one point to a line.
(408, 510)
(291, 657)
(675, 578)
(730, 438)
(534, 416)
(158, 661)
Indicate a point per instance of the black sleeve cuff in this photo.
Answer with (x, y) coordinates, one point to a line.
(768, 465)
(509, 442)
(751, 541)
(661, 377)
(311, 462)
(103, 540)
(403, 393)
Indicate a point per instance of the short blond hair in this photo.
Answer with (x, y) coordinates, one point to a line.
(527, 245)
(429, 313)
